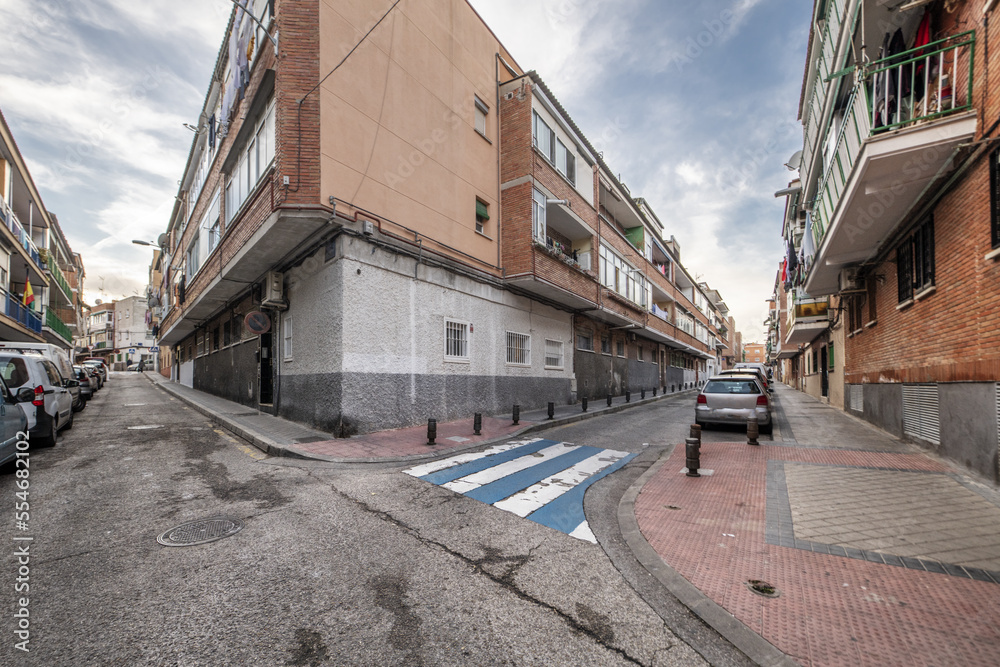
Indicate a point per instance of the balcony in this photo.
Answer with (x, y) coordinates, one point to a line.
(807, 319)
(53, 268)
(903, 124)
(10, 221)
(15, 310)
(57, 326)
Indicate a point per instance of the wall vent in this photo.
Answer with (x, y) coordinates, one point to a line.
(921, 417)
(858, 397)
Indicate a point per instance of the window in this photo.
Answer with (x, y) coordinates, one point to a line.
(482, 216)
(605, 345)
(213, 223)
(872, 289)
(543, 137)
(585, 341)
(193, 259)
(481, 112)
(538, 204)
(200, 337)
(518, 349)
(553, 354)
(456, 341)
(616, 274)
(215, 339)
(227, 334)
(915, 262)
(286, 337)
(995, 198)
(830, 350)
(815, 360)
(566, 162)
(621, 348)
(638, 353)
(255, 158)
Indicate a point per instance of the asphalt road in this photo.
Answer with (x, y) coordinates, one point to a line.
(338, 565)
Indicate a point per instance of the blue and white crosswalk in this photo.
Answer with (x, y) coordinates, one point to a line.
(542, 480)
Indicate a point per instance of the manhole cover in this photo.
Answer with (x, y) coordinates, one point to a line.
(199, 532)
(763, 588)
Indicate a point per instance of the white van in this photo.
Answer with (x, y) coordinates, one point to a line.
(57, 355)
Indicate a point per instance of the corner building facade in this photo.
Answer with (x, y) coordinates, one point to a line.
(362, 256)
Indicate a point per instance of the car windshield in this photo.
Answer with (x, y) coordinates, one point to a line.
(733, 386)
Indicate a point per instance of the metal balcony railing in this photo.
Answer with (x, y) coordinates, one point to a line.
(56, 272)
(11, 222)
(53, 322)
(919, 97)
(16, 310)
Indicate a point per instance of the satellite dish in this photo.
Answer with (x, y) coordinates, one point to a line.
(97, 302)
(162, 239)
(795, 161)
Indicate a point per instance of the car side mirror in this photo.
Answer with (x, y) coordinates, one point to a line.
(25, 395)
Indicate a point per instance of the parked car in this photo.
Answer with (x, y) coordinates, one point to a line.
(51, 409)
(764, 369)
(732, 399)
(99, 364)
(87, 383)
(13, 423)
(96, 382)
(53, 353)
(752, 371)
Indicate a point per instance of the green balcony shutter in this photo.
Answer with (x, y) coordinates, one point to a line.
(482, 211)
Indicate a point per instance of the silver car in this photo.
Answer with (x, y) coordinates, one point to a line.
(732, 399)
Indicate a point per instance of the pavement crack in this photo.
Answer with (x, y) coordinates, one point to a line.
(592, 626)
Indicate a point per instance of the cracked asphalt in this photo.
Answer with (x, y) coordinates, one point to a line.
(336, 565)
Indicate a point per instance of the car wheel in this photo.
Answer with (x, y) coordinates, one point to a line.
(50, 439)
(69, 424)
(768, 429)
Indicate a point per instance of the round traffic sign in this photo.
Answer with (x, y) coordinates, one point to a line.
(257, 322)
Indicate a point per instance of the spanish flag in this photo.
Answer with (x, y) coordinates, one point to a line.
(29, 295)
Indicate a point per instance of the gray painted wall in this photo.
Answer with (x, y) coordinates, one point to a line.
(884, 407)
(969, 425)
(230, 373)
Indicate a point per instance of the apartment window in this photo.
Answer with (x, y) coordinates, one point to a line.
(544, 138)
(456, 341)
(638, 353)
(995, 197)
(553, 354)
(518, 349)
(193, 258)
(215, 339)
(915, 262)
(227, 334)
(605, 345)
(566, 162)
(286, 337)
(213, 223)
(482, 216)
(872, 293)
(538, 204)
(585, 341)
(200, 337)
(255, 158)
(481, 112)
(621, 348)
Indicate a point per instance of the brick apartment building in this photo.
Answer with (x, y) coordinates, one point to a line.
(360, 257)
(895, 218)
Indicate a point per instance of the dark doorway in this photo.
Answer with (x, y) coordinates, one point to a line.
(265, 370)
(824, 371)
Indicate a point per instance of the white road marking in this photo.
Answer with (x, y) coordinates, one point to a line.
(476, 480)
(434, 466)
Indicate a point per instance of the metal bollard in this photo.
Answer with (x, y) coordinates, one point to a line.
(609, 400)
(628, 397)
(696, 432)
(671, 389)
(753, 431)
(477, 423)
(552, 410)
(642, 393)
(584, 399)
(432, 431)
(517, 414)
(693, 451)
(654, 391)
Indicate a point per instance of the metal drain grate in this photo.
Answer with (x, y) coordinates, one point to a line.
(199, 532)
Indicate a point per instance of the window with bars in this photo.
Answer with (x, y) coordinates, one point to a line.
(456, 341)
(915, 262)
(585, 341)
(553, 354)
(621, 348)
(518, 349)
(605, 345)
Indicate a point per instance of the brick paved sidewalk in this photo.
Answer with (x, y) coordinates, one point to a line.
(881, 558)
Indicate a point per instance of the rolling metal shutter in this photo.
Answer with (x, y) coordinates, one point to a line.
(921, 418)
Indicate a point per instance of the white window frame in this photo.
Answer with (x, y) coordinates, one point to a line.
(193, 263)
(464, 342)
(554, 350)
(482, 112)
(543, 137)
(539, 203)
(518, 346)
(286, 338)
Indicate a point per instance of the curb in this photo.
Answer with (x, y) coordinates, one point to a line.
(755, 647)
(276, 449)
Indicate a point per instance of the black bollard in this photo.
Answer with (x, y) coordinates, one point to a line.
(584, 403)
(609, 400)
(477, 423)
(696, 432)
(628, 397)
(517, 414)
(753, 430)
(642, 393)
(654, 391)
(432, 431)
(671, 389)
(693, 452)
(552, 410)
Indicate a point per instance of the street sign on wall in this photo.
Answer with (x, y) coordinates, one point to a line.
(257, 322)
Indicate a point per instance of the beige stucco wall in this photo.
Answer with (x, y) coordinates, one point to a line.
(397, 119)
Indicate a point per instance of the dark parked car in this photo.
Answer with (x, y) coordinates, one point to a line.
(87, 384)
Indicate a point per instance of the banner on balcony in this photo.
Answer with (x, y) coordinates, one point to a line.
(29, 295)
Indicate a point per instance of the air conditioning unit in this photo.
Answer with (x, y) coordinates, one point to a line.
(367, 227)
(274, 291)
(850, 281)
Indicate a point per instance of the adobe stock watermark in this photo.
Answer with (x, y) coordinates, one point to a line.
(22, 544)
(695, 46)
(740, 172)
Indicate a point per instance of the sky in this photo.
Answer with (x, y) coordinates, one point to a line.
(693, 103)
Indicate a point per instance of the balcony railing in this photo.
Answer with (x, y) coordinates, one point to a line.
(56, 272)
(805, 310)
(53, 322)
(919, 98)
(825, 66)
(17, 311)
(10, 221)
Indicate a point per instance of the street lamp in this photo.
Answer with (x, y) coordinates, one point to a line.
(148, 243)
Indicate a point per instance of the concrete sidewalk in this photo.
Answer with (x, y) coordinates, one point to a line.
(876, 553)
(281, 437)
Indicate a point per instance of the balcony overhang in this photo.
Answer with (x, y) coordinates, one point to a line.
(281, 233)
(550, 292)
(562, 219)
(805, 332)
(892, 173)
(676, 344)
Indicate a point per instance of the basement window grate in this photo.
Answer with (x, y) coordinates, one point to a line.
(921, 417)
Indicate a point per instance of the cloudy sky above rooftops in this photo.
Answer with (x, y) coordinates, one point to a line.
(693, 103)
